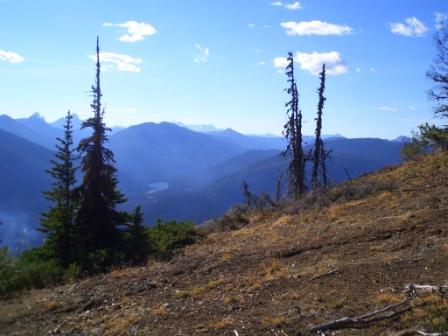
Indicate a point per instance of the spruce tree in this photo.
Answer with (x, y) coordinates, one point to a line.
(319, 151)
(98, 218)
(58, 222)
(137, 239)
(293, 134)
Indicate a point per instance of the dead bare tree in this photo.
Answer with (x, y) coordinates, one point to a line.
(293, 133)
(319, 152)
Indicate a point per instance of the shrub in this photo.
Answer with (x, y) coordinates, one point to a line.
(166, 237)
(33, 269)
(344, 192)
(234, 219)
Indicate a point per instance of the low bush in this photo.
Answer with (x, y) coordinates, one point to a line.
(166, 237)
(344, 192)
(31, 270)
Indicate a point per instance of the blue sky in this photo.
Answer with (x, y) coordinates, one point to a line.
(214, 61)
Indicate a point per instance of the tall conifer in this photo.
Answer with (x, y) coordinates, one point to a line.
(98, 217)
(58, 222)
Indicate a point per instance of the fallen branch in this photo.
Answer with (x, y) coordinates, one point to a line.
(366, 320)
(414, 332)
(386, 313)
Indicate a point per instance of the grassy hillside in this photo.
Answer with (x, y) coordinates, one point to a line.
(344, 253)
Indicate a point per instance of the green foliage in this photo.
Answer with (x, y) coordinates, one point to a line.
(58, 221)
(7, 284)
(33, 269)
(438, 317)
(166, 237)
(412, 150)
(429, 139)
(436, 138)
(99, 240)
(136, 238)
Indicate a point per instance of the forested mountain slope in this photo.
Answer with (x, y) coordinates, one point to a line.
(343, 252)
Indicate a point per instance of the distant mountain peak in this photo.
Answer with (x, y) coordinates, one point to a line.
(37, 115)
(201, 128)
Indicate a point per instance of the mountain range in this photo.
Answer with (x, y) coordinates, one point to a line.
(173, 171)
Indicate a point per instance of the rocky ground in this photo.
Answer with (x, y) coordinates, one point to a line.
(281, 274)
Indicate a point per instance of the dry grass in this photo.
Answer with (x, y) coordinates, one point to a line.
(121, 325)
(159, 311)
(222, 323)
(274, 321)
(198, 290)
(274, 270)
(349, 256)
(389, 298)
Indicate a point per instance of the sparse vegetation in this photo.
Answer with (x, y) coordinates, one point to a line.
(282, 273)
(167, 237)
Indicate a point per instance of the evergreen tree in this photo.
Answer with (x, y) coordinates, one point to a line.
(58, 222)
(293, 134)
(319, 151)
(98, 218)
(137, 238)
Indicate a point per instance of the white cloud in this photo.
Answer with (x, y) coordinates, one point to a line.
(312, 62)
(315, 28)
(291, 6)
(387, 109)
(372, 69)
(251, 25)
(358, 70)
(136, 31)
(11, 57)
(280, 62)
(439, 19)
(261, 63)
(294, 6)
(412, 107)
(119, 61)
(411, 27)
(202, 55)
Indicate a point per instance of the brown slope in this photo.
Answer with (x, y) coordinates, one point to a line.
(281, 273)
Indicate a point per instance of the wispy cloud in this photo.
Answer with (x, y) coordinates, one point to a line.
(312, 62)
(119, 62)
(251, 25)
(439, 19)
(294, 6)
(358, 70)
(202, 54)
(315, 28)
(291, 6)
(387, 108)
(411, 27)
(136, 31)
(261, 63)
(11, 57)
